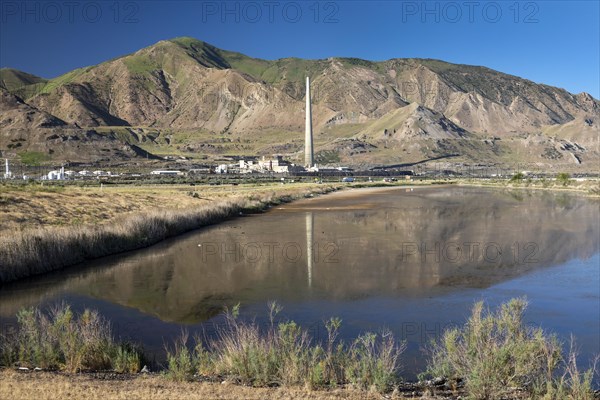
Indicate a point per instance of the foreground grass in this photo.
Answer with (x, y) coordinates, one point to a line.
(61, 340)
(493, 356)
(38, 250)
(284, 355)
(495, 353)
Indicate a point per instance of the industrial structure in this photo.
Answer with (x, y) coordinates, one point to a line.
(7, 173)
(308, 136)
(58, 175)
(275, 164)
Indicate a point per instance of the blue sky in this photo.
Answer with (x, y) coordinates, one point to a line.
(552, 42)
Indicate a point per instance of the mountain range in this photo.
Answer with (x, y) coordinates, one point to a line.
(187, 99)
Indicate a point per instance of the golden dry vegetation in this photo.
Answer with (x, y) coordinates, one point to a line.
(589, 187)
(45, 229)
(23, 207)
(50, 386)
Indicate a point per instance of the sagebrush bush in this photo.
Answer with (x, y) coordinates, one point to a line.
(283, 354)
(496, 353)
(571, 383)
(126, 359)
(243, 352)
(63, 340)
(181, 362)
(374, 364)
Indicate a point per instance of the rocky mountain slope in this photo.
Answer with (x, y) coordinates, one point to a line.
(188, 98)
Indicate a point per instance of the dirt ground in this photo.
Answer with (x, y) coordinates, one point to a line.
(17, 385)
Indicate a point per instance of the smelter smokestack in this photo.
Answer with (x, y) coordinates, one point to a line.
(308, 139)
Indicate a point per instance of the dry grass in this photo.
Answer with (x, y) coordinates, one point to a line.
(48, 386)
(35, 206)
(46, 248)
(589, 187)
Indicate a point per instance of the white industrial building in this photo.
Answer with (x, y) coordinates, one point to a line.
(166, 172)
(57, 175)
(221, 169)
(274, 164)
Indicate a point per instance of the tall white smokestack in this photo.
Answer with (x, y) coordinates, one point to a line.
(7, 173)
(308, 139)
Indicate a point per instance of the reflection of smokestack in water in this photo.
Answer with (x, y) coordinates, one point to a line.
(309, 246)
(308, 137)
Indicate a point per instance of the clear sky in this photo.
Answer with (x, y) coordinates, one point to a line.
(552, 42)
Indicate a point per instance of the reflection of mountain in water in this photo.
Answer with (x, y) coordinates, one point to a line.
(399, 244)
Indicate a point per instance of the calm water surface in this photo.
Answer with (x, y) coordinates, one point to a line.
(412, 260)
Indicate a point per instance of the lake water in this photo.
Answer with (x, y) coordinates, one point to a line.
(412, 260)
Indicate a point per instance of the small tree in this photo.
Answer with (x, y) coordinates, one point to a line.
(518, 177)
(563, 178)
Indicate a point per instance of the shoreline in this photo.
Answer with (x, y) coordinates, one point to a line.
(26, 385)
(558, 189)
(205, 374)
(35, 251)
(39, 250)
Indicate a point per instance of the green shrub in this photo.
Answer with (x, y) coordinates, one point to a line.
(205, 363)
(61, 339)
(563, 178)
(126, 359)
(283, 355)
(572, 383)
(244, 353)
(374, 363)
(335, 354)
(495, 352)
(517, 178)
(34, 342)
(181, 361)
(293, 351)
